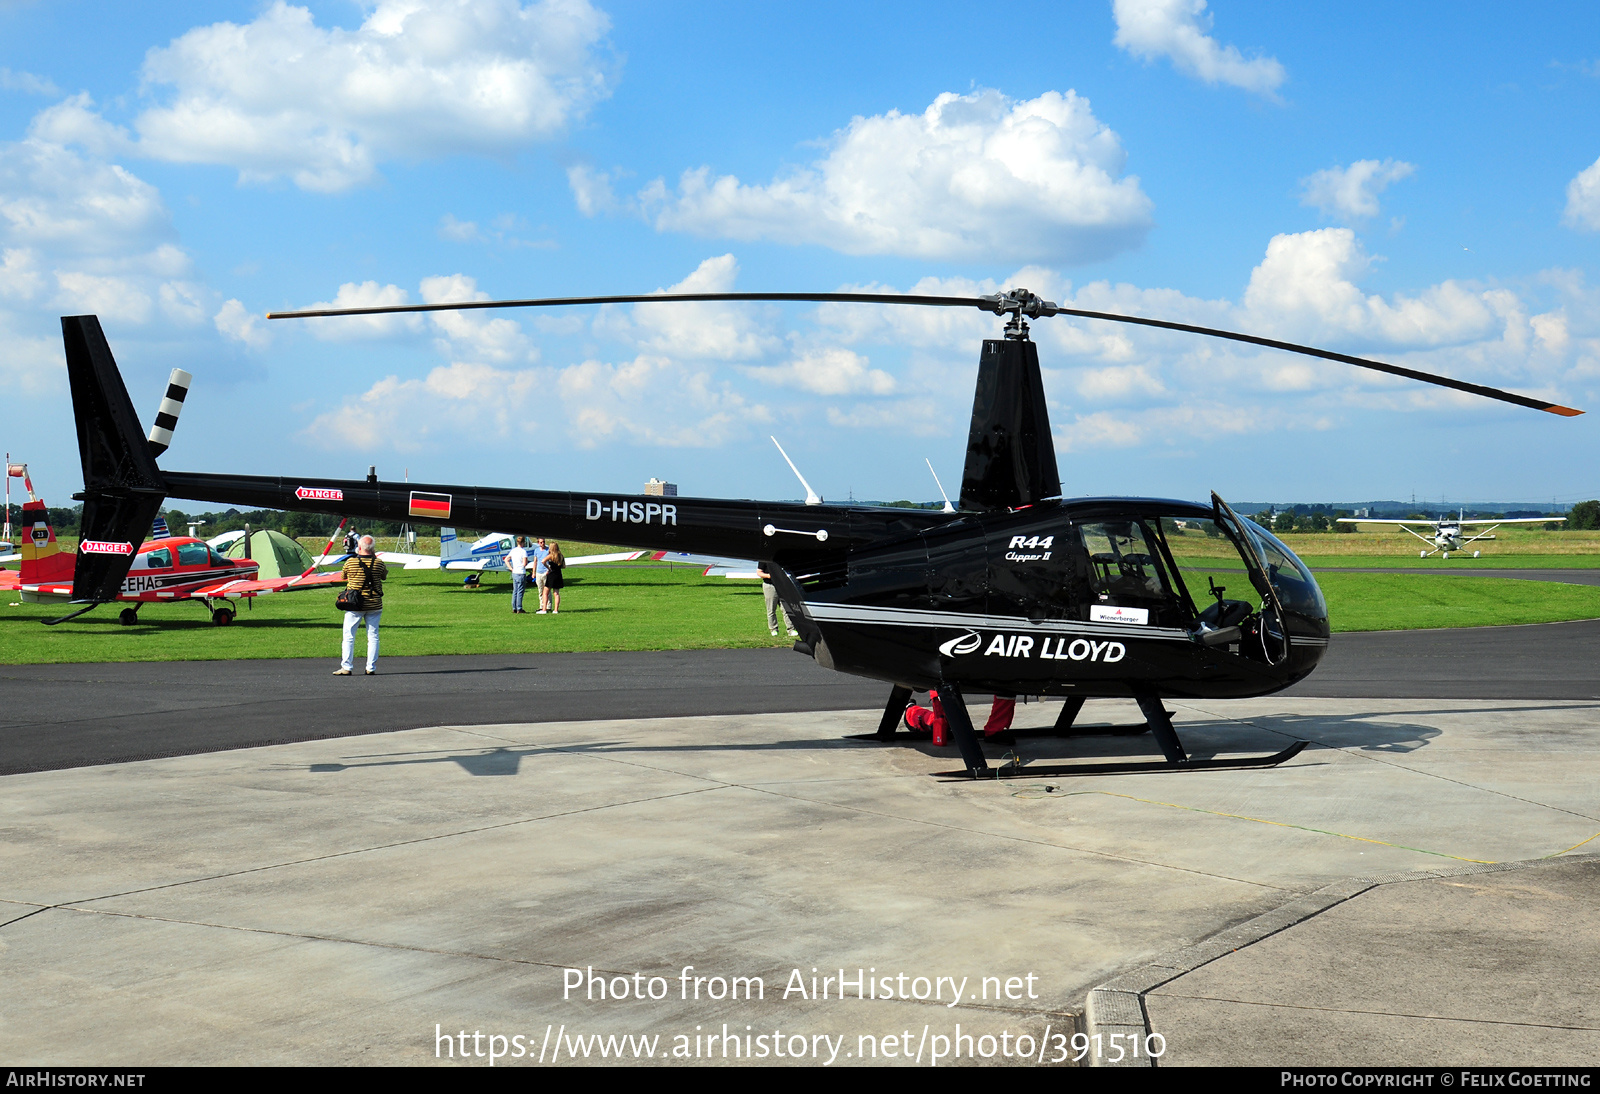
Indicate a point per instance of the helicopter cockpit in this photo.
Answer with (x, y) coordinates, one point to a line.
(1228, 582)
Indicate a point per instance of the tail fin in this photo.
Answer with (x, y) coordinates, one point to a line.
(1011, 457)
(122, 487)
(43, 560)
(451, 548)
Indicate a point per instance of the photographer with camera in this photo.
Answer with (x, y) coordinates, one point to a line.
(362, 601)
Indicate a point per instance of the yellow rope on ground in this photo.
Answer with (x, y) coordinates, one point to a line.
(1574, 847)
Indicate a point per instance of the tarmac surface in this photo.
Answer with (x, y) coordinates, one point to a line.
(58, 716)
(255, 862)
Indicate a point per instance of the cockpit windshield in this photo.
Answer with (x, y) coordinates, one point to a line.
(1295, 586)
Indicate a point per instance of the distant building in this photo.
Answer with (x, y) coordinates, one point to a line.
(1364, 513)
(659, 489)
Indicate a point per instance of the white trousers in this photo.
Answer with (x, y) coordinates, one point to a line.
(352, 620)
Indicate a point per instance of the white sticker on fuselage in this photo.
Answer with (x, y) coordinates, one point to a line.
(1105, 613)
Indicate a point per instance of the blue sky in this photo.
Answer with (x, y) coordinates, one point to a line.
(1417, 184)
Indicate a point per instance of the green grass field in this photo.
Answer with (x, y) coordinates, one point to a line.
(645, 607)
(629, 607)
(1394, 602)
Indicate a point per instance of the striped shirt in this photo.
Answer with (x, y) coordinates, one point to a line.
(366, 574)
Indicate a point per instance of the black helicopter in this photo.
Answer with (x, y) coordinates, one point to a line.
(1020, 592)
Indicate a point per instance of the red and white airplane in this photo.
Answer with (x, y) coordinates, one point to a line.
(173, 568)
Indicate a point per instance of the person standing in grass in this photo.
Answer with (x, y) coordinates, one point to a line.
(555, 562)
(774, 607)
(539, 554)
(364, 573)
(517, 563)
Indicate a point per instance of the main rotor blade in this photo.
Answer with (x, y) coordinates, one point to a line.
(1032, 306)
(653, 298)
(1329, 355)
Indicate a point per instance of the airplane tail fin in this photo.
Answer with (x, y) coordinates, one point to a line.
(451, 548)
(1011, 457)
(122, 487)
(43, 560)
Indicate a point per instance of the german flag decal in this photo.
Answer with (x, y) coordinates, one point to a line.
(430, 506)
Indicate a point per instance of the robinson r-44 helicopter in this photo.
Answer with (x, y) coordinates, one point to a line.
(1018, 592)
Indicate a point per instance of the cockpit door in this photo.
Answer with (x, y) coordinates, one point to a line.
(1274, 635)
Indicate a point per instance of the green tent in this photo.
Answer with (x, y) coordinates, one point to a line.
(278, 555)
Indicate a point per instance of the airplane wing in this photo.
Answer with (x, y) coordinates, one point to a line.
(614, 556)
(1452, 520)
(712, 565)
(409, 562)
(223, 541)
(233, 590)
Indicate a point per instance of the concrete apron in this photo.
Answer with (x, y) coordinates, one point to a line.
(368, 900)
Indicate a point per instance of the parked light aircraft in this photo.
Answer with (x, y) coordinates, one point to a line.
(1447, 531)
(170, 568)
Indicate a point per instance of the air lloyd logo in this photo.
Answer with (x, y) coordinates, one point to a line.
(1049, 649)
(317, 493)
(104, 547)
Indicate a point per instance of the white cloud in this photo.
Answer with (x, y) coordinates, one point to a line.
(26, 81)
(30, 365)
(832, 371)
(473, 334)
(184, 302)
(976, 176)
(368, 294)
(19, 273)
(708, 331)
(52, 196)
(653, 400)
(234, 322)
(1583, 199)
(1305, 288)
(454, 402)
(75, 121)
(1352, 192)
(1176, 29)
(1117, 383)
(282, 97)
(591, 189)
(108, 297)
(648, 400)
(459, 231)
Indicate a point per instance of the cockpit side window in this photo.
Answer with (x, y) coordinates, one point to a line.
(193, 554)
(1127, 569)
(159, 559)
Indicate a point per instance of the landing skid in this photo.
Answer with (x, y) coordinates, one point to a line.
(1137, 767)
(1158, 721)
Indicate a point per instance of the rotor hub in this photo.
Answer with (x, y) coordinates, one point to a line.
(1018, 303)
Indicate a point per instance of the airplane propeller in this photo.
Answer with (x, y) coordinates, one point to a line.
(1019, 303)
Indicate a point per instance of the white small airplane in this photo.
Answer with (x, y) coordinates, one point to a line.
(488, 553)
(1447, 531)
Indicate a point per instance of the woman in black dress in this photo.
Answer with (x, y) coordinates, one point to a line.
(553, 579)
